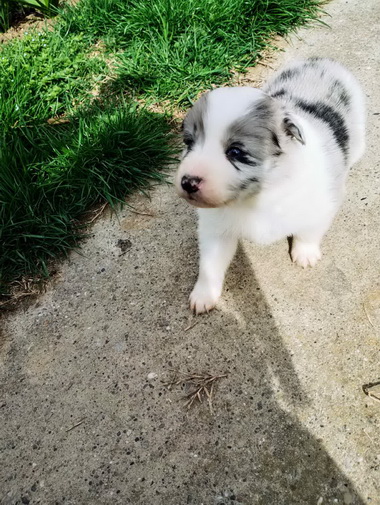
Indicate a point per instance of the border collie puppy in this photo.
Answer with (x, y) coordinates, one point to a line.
(268, 164)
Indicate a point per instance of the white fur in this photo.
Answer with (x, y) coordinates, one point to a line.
(299, 195)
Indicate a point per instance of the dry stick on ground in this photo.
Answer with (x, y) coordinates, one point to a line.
(190, 326)
(26, 286)
(202, 386)
(366, 313)
(372, 390)
(76, 425)
(15, 298)
(98, 212)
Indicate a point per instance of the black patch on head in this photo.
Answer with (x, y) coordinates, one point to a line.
(193, 124)
(329, 116)
(288, 74)
(256, 131)
(278, 94)
(313, 61)
(248, 182)
(275, 140)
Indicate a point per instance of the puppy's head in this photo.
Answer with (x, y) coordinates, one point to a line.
(232, 138)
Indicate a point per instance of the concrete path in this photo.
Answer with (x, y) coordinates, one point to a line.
(85, 415)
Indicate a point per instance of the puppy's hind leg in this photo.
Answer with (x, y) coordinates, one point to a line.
(216, 252)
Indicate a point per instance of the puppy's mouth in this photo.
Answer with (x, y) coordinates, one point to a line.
(195, 201)
(198, 200)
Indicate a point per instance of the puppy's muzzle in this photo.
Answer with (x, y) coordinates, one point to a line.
(190, 184)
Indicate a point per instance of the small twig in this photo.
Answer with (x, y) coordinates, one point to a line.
(141, 213)
(265, 65)
(209, 397)
(75, 425)
(371, 439)
(372, 385)
(366, 313)
(17, 297)
(98, 213)
(203, 387)
(374, 397)
(70, 385)
(190, 326)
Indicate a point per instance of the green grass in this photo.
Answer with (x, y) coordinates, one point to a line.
(51, 174)
(163, 51)
(172, 49)
(45, 74)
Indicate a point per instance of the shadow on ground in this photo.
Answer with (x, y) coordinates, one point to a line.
(83, 424)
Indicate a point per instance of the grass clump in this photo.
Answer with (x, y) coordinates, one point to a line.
(45, 74)
(172, 49)
(51, 174)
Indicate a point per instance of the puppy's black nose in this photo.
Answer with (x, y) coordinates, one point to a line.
(190, 184)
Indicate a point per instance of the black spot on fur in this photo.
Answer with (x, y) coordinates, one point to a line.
(286, 75)
(277, 94)
(313, 61)
(193, 124)
(344, 98)
(262, 108)
(253, 179)
(248, 182)
(275, 140)
(329, 116)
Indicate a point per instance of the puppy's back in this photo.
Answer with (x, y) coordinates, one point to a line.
(325, 92)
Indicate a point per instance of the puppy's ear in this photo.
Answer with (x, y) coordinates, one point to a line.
(293, 130)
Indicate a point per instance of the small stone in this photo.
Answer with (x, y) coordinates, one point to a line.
(152, 376)
(348, 498)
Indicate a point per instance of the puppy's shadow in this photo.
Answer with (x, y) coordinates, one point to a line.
(276, 460)
(260, 327)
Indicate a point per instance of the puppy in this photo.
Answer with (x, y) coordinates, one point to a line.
(268, 164)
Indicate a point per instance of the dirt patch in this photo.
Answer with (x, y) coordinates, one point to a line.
(33, 20)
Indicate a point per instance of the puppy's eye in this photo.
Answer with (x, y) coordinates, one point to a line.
(234, 152)
(188, 141)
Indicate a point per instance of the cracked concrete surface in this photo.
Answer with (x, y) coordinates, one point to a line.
(84, 418)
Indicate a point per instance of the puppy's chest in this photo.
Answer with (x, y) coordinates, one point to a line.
(266, 226)
(269, 221)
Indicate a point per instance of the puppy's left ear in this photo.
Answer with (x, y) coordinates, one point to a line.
(293, 130)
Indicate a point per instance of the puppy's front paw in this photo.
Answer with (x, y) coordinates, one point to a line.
(203, 298)
(305, 254)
